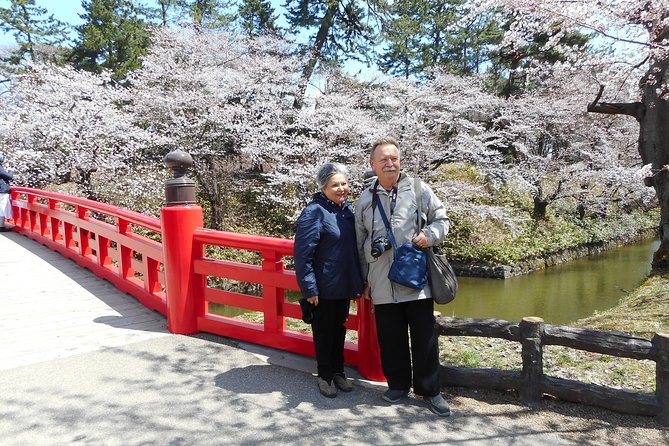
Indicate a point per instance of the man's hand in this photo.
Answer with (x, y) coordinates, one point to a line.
(420, 240)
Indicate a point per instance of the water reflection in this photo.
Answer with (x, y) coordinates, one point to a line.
(560, 294)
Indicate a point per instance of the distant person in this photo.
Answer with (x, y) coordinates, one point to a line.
(328, 272)
(401, 312)
(5, 201)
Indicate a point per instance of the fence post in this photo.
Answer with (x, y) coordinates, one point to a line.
(179, 219)
(661, 343)
(369, 353)
(531, 331)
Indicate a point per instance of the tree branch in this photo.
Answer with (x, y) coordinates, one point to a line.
(634, 109)
(598, 29)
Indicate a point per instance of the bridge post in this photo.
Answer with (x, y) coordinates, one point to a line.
(369, 353)
(179, 219)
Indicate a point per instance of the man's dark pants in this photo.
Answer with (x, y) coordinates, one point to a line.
(394, 322)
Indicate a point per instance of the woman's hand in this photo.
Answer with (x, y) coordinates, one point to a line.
(365, 293)
(313, 300)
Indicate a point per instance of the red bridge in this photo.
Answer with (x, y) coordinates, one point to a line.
(162, 263)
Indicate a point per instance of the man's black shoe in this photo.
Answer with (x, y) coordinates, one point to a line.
(438, 405)
(394, 395)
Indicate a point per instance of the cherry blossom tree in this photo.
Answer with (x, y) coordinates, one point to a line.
(228, 101)
(209, 94)
(62, 125)
(633, 47)
(553, 155)
(565, 154)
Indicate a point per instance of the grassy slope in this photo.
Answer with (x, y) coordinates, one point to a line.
(644, 312)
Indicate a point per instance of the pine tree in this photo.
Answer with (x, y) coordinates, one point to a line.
(257, 17)
(114, 36)
(30, 27)
(161, 13)
(340, 30)
(403, 34)
(423, 34)
(208, 14)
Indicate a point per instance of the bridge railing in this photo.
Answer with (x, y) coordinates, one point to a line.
(162, 263)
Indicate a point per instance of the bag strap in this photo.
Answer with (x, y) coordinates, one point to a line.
(417, 186)
(419, 202)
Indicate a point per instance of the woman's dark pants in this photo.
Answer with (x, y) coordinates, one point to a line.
(329, 336)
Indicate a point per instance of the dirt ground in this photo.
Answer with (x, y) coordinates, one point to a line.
(581, 424)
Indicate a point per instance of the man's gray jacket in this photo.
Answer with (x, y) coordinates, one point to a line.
(369, 226)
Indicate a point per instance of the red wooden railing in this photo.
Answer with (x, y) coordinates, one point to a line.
(161, 262)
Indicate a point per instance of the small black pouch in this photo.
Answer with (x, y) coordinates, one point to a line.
(307, 310)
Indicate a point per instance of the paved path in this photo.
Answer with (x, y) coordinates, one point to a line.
(82, 363)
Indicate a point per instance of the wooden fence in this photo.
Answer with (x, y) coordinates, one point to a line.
(531, 383)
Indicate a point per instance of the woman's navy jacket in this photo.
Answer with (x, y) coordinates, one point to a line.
(326, 254)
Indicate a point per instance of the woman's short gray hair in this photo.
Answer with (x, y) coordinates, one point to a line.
(327, 170)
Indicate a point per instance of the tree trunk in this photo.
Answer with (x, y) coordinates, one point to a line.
(654, 148)
(540, 206)
(85, 181)
(652, 113)
(217, 204)
(212, 178)
(316, 52)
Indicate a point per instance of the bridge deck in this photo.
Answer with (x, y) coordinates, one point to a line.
(52, 308)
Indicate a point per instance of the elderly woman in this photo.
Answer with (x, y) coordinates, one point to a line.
(5, 202)
(328, 272)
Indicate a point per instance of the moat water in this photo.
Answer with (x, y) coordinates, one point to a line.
(560, 294)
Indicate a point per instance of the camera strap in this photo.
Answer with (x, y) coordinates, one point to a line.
(391, 237)
(377, 202)
(419, 201)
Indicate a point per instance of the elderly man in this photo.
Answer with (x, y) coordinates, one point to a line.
(400, 311)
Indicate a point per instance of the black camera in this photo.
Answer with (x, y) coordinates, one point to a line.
(379, 246)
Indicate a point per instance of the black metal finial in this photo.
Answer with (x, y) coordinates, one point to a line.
(179, 190)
